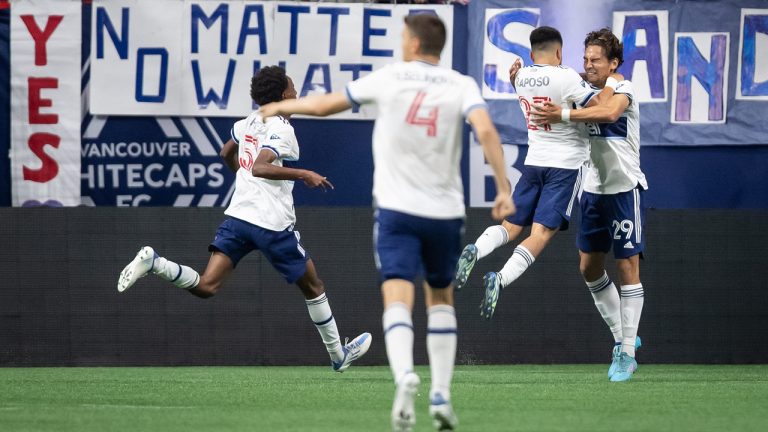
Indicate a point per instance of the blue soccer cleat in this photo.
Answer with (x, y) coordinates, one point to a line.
(352, 351)
(467, 260)
(492, 286)
(616, 354)
(627, 366)
(441, 411)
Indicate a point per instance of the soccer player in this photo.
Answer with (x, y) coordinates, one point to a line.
(613, 214)
(419, 199)
(550, 179)
(261, 217)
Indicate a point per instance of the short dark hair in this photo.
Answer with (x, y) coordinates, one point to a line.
(543, 37)
(268, 85)
(429, 30)
(605, 38)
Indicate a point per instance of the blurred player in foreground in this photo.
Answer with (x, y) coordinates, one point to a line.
(419, 199)
(261, 217)
(612, 209)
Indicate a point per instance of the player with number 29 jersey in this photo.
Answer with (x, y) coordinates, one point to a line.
(417, 135)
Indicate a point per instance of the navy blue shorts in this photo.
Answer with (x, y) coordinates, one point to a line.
(545, 196)
(406, 246)
(612, 220)
(235, 238)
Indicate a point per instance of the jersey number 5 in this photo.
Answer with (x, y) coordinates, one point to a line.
(430, 121)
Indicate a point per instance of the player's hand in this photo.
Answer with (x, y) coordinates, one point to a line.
(617, 76)
(502, 206)
(513, 70)
(546, 113)
(313, 180)
(269, 110)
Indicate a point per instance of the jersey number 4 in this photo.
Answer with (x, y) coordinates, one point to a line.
(430, 121)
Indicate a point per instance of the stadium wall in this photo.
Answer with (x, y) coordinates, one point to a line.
(704, 278)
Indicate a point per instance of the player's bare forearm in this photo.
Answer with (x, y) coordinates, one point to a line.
(274, 172)
(315, 105)
(229, 154)
(607, 112)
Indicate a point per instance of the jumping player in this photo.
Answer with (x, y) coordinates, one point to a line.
(261, 217)
(550, 180)
(419, 199)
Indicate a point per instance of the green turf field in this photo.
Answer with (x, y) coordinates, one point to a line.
(486, 398)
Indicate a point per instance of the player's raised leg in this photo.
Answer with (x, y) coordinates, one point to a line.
(148, 261)
(491, 239)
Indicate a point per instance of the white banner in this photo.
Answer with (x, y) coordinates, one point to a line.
(45, 102)
(196, 58)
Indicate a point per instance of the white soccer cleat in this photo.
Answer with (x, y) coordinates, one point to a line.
(403, 412)
(443, 417)
(136, 269)
(353, 351)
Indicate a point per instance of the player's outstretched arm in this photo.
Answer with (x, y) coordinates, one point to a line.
(607, 112)
(229, 154)
(263, 168)
(489, 139)
(315, 105)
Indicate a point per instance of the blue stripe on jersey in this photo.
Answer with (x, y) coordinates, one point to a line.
(587, 99)
(355, 104)
(232, 133)
(473, 107)
(277, 153)
(617, 129)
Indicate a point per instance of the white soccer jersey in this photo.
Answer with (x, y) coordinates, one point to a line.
(559, 145)
(417, 136)
(262, 202)
(614, 163)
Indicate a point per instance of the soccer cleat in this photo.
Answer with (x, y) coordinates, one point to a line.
(616, 354)
(627, 366)
(137, 269)
(467, 260)
(403, 413)
(352, 351)
(443, 417)
(492, 286)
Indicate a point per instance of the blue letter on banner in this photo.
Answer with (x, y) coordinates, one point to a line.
(691, 63)
(259, 30)
(140, 54)
(102, 22)
(212, 96)
(309, 85)
(334, 12)
(496, 36)
(368, 32)
(753, 24)
(651, 53)
(199, 15)
(294, 11)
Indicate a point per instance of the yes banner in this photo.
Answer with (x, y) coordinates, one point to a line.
(196, 58)
(45, 103)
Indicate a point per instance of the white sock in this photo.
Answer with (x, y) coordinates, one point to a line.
(441, 348)
(320, 312)
(180, 275)
(491, 239)
(608, 303)
(398, 336)
(520, 260)
(632, 297)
